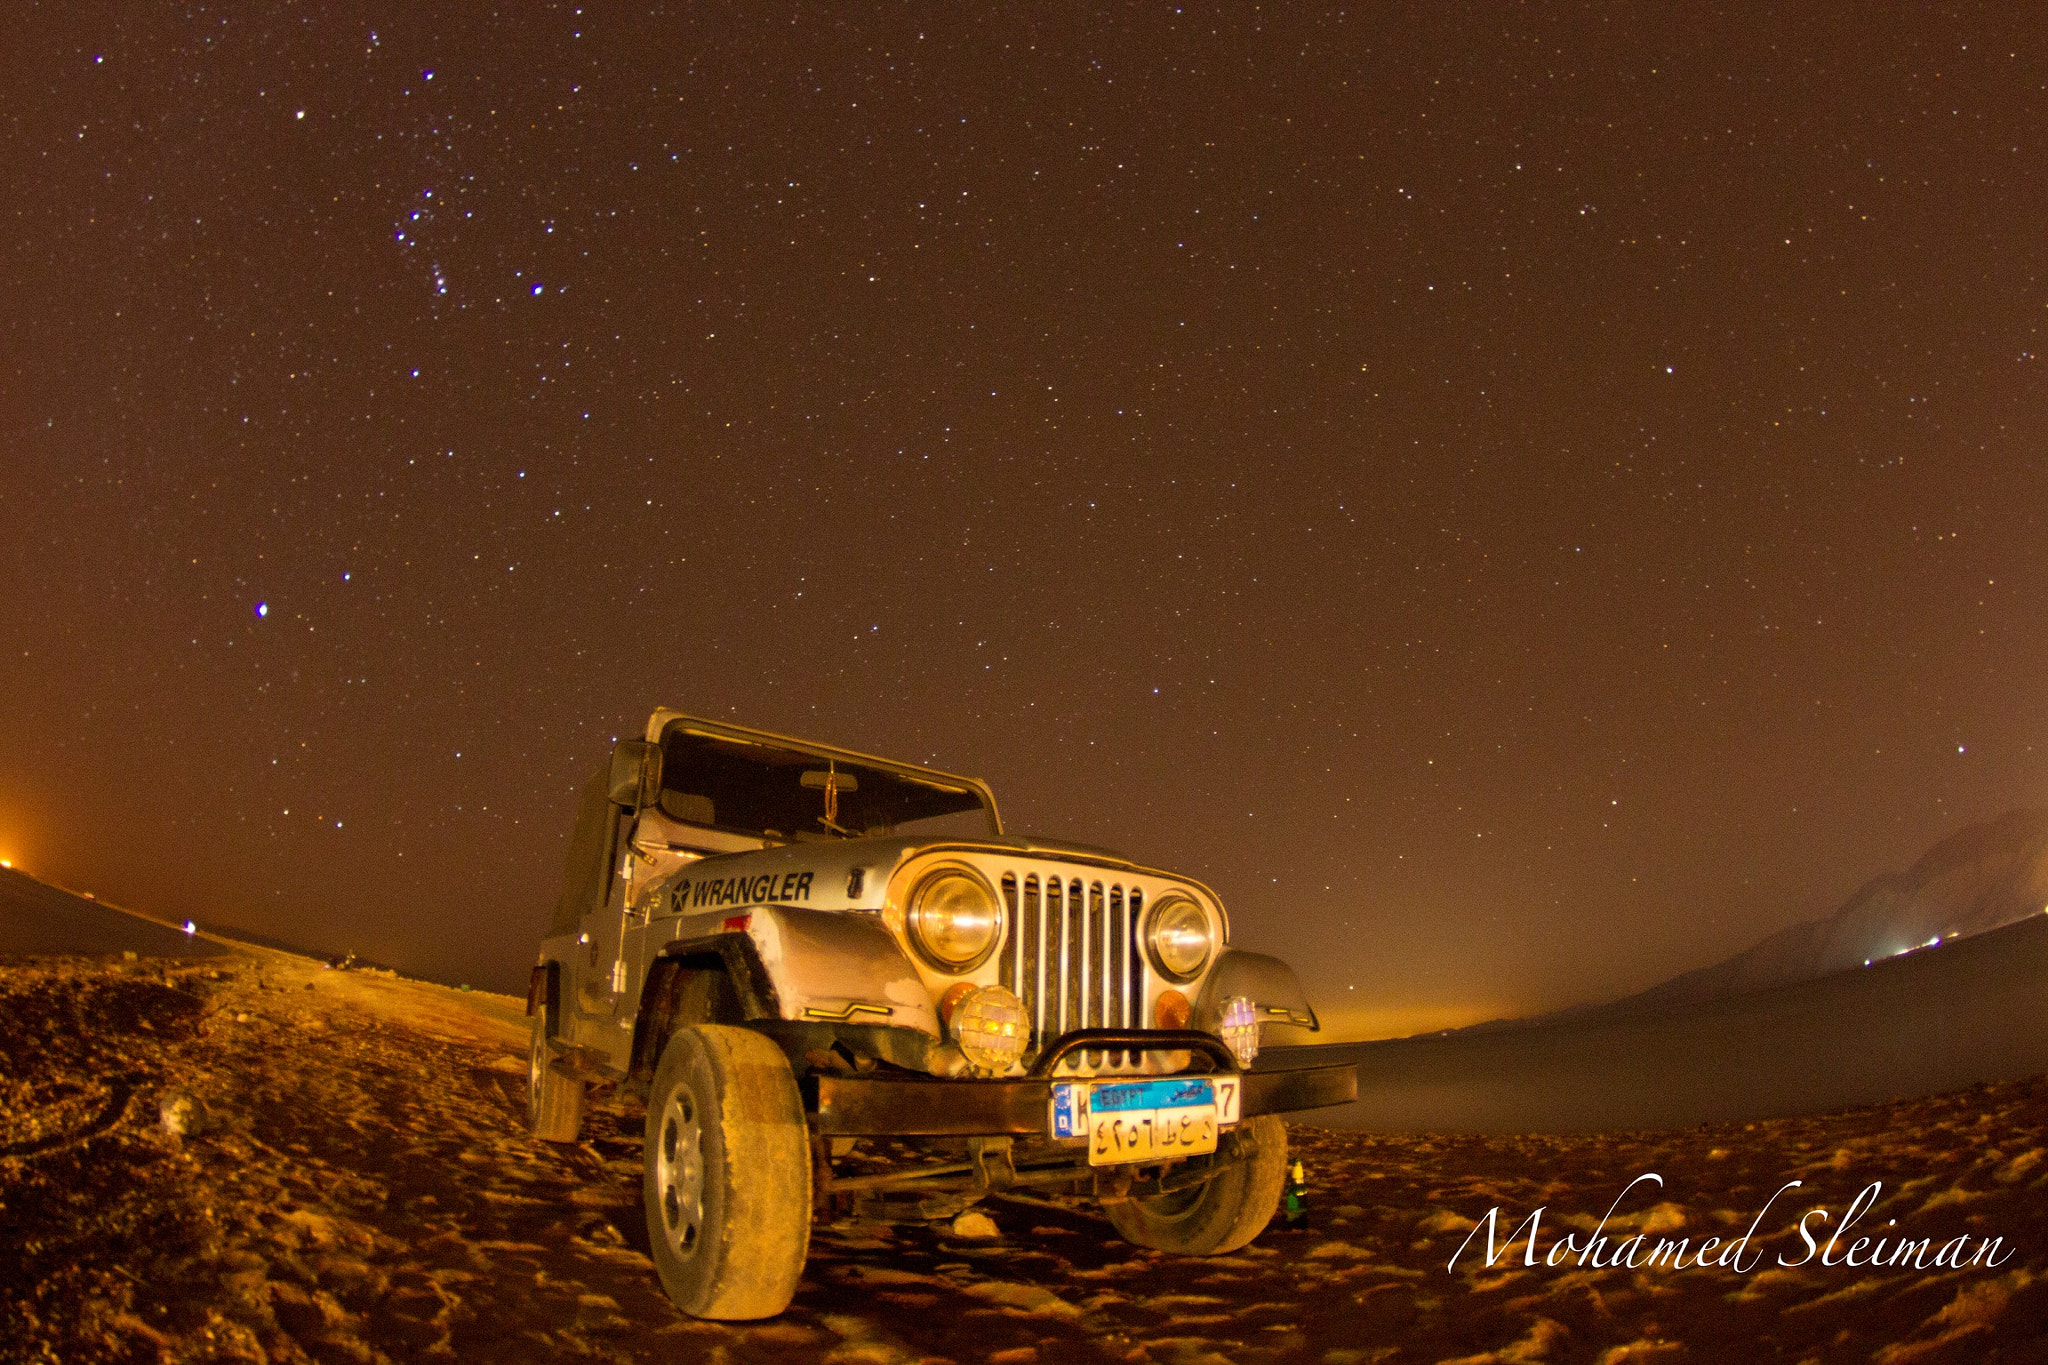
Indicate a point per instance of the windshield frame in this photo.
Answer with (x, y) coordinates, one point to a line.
(666, 723)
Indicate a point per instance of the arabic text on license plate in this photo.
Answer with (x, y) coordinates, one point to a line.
(1150, 1120)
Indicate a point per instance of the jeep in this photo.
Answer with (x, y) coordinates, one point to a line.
(842, 986)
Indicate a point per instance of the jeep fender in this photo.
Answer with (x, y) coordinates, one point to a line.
(1271, 985)
(812, 966)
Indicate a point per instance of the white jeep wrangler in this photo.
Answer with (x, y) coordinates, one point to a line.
(792, 947)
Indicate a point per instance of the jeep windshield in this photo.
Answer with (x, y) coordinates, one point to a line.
(779, 791)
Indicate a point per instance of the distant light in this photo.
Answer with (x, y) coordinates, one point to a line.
(537, 288)
(8, 864)
(190, 927)
(263, 608)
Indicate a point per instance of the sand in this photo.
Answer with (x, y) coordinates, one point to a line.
(352, 1184)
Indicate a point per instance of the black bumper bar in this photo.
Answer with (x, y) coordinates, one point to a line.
(871, 1106)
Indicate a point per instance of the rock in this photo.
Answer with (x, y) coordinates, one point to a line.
(975, 1224)
(183, 1114)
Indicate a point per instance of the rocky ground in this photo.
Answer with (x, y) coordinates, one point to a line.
(253, 1158)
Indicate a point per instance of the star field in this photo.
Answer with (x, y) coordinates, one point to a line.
(1524, 504)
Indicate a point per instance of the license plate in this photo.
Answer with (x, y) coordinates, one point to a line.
(1127, 1121)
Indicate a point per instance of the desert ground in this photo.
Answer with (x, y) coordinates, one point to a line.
(252, 1157)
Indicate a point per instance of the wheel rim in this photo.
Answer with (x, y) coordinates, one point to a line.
(679, 1172)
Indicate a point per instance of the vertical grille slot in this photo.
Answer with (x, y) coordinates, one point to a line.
(1071, 955)
(1134, 963)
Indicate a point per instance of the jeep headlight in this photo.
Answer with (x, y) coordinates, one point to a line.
(954, 919)
(1179, 938)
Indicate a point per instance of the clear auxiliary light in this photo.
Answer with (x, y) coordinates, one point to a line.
(991, 1028)
(1240, 1028)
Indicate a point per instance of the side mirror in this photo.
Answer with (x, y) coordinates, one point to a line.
(636, 774)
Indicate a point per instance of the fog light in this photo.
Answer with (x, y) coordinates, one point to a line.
(1240, 1029)
(990, 1026)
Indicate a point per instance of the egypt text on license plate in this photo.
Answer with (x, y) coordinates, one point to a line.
(1148, 1120)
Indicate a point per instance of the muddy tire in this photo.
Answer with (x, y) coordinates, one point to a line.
(554, 1103)
(728, 1174)
(1220, 1215)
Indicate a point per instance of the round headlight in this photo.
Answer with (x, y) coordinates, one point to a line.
(954, 919)
(1180, 938)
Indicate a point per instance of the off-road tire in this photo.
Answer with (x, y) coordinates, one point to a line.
(1219, 1215)
(727, 1187)
(554, 1102)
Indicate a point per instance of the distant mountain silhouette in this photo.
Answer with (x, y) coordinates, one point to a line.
(1980, 878)
(1795, 1025)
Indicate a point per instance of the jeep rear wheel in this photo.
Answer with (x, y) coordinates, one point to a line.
(1224, 1212)
(728, 1174)
(554, 1103)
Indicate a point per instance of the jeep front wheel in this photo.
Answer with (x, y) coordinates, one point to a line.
(728, 1174)
(1224, 1212)
(554, 1103)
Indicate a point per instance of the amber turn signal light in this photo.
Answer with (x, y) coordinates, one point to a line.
(1171, 1010)
(950, 1001)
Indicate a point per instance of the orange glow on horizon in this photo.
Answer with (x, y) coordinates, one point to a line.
(1363, 1025)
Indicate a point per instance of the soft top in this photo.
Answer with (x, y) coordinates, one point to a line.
(590, 851)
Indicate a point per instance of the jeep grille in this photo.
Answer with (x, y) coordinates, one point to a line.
(1070, 957)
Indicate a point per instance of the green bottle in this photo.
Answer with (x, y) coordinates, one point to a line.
(1294, 1198)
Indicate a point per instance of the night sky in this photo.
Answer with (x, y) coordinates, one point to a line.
(1523, 502)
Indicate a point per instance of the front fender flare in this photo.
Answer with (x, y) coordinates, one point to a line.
(1269, 983)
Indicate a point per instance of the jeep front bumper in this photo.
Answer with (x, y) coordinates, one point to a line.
(913, 1106)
